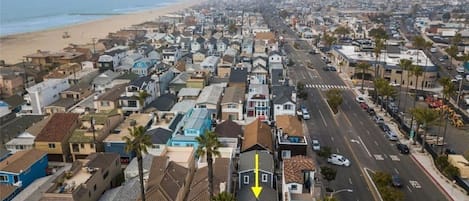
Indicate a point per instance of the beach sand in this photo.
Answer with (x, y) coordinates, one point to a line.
(13, 48)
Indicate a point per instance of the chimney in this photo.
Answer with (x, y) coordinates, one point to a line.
(293, 96)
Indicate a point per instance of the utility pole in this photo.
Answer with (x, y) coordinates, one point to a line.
(93, 121)
(94, 46)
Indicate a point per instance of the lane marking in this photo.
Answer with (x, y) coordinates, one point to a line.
(337, 150)
(376, 143)
(323, 119)
(332, 138)
(378, 157)
(394, 157)
(395, 170)
(408, 188)
(350, 181)
(415, 184)
(364, 146)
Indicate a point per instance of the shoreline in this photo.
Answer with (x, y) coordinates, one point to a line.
(14, 47)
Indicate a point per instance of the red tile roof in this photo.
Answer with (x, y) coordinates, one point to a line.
(58, 127)
(293, 168)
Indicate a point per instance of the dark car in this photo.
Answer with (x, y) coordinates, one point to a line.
(371, 111)
(329, 68)
(384, 127)
(396, 181)
(404, 149)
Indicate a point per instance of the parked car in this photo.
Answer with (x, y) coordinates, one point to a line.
(404, 149)
(371, 111)
(384, 127)
(329, 68)
(394, 84)
(338, 159)
(360, 99)
(396, 181)
(316, 146)
(364, 106)
(391, 135)
(305, 113)
(378, 119)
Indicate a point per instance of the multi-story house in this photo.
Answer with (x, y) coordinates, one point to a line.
(94, 128)
(53, 138)
(258, 102)
(232, 104)
(87, 179)
(171, 55)
(43, 94)
(246, 167)
(24, 141)
(110, 99)
(257, 136)
(275, 57)
(112, 58)
(178, 82)
(290, 137)
(104, 81)
(222, 168)
(259, 61)
(259, 75)
(194, 123)
(283, 100)
(19, 170)
(114, 141)
(198, 57)
(247, 47)
(11, 84)
(197, 44)
(210, 64)
(129, 100)
(198, 79)
(298, 176)
(210, 98)
(143, 67)
(265, 42)
(188, 94)
(238, 77)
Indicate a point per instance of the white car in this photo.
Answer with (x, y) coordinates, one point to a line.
(391, 135)
(337, 159)
(394, 84)
(316, 145)
(360, 99)
(305, 114)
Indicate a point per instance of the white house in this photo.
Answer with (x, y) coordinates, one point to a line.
(24, 141)
(129, 101)
(259, 75)
(210, 98)
(284, 100)
(259, 61)
(171, 55)
(210, 63)
(275, 57)
(112, 58)
(104, 81)
(43, 94)
(298, 178)
(258, 102)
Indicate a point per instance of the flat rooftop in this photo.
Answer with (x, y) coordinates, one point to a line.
(140, 120)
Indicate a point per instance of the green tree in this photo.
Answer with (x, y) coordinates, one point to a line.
(329, 40)
(379, 46)
(425, 117)
(208, 147)
(232, 28)
(446, 17)
(380, 84)
(391, 194)
(405, 65)
(378, 33)
(328, 173)
(334, 98)
(224, 196)
(342, 31)
(417, 71)
(137, 143)
(325, 152)
(456, 39)
(382, 178)
(363, 67)
(449, 90)
(141, 97)
(452, 52)
(387, 91)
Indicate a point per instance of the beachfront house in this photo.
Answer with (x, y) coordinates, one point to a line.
(129, 100)
(171, 55)
(43, 94)
(112, 58)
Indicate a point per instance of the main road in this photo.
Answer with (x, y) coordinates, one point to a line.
(351, 132)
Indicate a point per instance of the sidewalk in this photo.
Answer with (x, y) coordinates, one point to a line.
(423, 160)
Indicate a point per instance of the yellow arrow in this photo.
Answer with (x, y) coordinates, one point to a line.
(256, 189)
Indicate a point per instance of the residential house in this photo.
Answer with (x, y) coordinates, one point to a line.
(225, 65)
(131, 170)
(275, 66)
(104, 81)
(163, 76)
(62, 105)
(114, 141)
(129, 100)
(246, 167)
(229, 131)
(265, 42)
(232, 104)
(211, 46)
(222, 44)
(198, 79)
(258, 75)
(162, 104)
(196, 122)
(222, 168)
(238, 77)
(11, 84)
(78, 91)
(128, 62)
(110, 99)
(143, 67)
(257, 136)
(178, 82)
(197, 44)
(259, 61)
(277, 77)
(291, 140)
(24, 141)
(127, 191)
(87, 179)
(198, 57)
(53, 138)
(258, 102)
(268, 194)
(210, 64)
(94, 128)
(168, 181)
(160, 138)
(112, 58)
(298, 178)
(171, 55)
(183, 106)
(19, 170)
(247, 47)
(275, 57)
(188, 94)
(4, 109)
(43, 94)
(283, 101)
(47, 59)
(210, 98)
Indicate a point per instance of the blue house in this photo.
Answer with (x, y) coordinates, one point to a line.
(195, 123)
(21, 169)
(142, 67)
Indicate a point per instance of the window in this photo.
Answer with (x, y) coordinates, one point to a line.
(104, 103)
(51, 146)
(287, 107)
(105, 174)
(82, 146)
(94, 187)
(232, 106)
(3, 178)
(75, 148)
(19, 147)
(294, 187)
(286, 153)
(246, 179)
(264, 177)
(132, 103)
(92, 146)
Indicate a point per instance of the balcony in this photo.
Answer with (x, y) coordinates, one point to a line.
(292, 140)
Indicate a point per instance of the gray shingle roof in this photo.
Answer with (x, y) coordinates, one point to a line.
(268, 194)
(238, 75)
(282, 94)
(246, 161)
(159, 135)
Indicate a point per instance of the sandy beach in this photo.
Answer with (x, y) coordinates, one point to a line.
(14, 47)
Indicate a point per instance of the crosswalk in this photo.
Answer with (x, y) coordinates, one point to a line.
(326, 86)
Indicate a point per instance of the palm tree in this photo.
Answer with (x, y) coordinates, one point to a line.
(224, 196)
(137, 143)
(449, 89)
(425, 117)
(380, 84)
(387, 91)
(416, 71)
(141, 97)
(452, 52)
(405, 65)
(379, 46)
(208, 146)
(364, 67)
(342, 31)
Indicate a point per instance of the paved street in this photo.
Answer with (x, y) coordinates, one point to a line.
(353, 134)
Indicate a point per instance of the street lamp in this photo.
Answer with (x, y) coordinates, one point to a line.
(341, 190)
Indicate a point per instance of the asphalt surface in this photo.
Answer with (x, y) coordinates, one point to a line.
(351, 133)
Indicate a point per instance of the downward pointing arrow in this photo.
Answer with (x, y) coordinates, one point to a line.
(256, 189)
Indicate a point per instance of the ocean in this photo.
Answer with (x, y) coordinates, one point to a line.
(21, 16)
